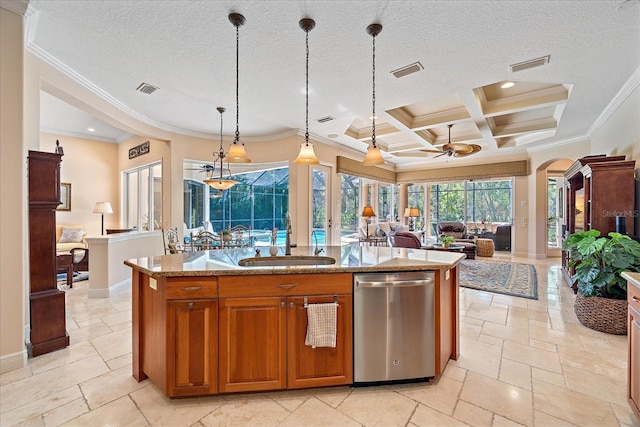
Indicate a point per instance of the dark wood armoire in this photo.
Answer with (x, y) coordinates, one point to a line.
(598, 189)
(46, 301)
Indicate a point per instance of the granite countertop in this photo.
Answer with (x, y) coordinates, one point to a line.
(224, 262)
(633, 278)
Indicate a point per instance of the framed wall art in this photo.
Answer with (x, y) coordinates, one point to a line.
(65, 196)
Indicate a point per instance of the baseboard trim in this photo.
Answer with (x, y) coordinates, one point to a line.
(13, 361)
(104, 293)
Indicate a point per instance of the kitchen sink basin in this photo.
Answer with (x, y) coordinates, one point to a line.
(280, 261)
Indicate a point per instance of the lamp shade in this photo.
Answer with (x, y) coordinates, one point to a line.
(368, 212)
(102, 208)
(411, 212)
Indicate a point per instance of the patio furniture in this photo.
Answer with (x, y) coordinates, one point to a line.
(171, 241)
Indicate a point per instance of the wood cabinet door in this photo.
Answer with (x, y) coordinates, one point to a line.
(252, 344)
(634, 359)
(192, 344)
(321, 366)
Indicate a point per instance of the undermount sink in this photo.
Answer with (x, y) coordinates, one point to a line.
(279, 261)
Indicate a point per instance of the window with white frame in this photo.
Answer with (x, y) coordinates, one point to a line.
(143, 197)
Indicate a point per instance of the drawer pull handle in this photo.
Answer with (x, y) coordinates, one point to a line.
(282, 304)
(191, 288)
(289, 286)
(635, 298)
(190, 305)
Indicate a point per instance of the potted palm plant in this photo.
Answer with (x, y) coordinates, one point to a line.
(601, 291)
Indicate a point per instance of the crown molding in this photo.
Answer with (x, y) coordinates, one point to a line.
(18, 7)
(624, 92)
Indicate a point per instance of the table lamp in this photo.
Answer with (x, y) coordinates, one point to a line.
(411, 213)
(367, 213)
(102, 208)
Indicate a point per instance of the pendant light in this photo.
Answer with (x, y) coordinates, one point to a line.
(374, 156)
(220, 183)
(236, 151)
(307, 156)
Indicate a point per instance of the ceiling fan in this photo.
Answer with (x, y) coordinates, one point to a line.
(204, 168)
(455, 149)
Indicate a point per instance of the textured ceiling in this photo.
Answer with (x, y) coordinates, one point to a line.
(187, 50)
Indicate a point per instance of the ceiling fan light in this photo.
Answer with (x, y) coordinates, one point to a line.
(307, 155)
(220, 183)
(237, 154)
(373, 157)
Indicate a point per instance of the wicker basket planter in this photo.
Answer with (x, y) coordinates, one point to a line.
(602, 314)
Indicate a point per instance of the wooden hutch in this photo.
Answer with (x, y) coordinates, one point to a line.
(597, 190)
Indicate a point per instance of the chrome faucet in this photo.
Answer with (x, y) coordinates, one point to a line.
(317, 250)
(287, 242)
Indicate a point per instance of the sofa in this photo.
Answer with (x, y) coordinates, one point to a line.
(69, 236)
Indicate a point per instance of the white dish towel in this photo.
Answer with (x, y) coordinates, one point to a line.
(321, 325)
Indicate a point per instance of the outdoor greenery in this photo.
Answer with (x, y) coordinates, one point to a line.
(488, 201)
(599, 260)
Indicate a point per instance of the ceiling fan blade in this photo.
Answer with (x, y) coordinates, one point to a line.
(443, 154)
(461, 148)
(412, 154)
(431, 151)
(473, 149)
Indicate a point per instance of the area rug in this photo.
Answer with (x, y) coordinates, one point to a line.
(508, 278)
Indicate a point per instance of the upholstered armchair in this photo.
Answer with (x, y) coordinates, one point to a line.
(455, 229)
(404, 239)
(458, 231)
(503, 238)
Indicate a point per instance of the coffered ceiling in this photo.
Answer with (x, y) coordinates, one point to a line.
(464, 50)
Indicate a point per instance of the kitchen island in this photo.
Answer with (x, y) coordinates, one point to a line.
(203, 324)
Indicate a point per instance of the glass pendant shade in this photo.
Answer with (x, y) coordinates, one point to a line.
(373, 157)
(306, 156)
(220, 183)
(237, 154)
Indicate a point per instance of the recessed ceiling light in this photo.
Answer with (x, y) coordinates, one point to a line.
(333, 135)
(507, 85)
(91, 129)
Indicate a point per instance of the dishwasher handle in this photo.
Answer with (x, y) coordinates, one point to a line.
(393, 283)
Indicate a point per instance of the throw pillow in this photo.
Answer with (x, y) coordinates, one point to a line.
(71, 235)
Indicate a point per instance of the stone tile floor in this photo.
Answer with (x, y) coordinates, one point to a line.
(522, 363)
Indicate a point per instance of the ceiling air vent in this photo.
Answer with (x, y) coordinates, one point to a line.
(325, 119)
(406, 70)
(147, 88)
(525, 65)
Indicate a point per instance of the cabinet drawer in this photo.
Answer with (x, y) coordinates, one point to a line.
(181, 288)
(285, 284)
(633, 296)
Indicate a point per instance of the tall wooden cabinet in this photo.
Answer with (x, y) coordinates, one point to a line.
(597, 190)
(46, 301)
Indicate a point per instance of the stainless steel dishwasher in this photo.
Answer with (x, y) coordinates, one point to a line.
(394, 326)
